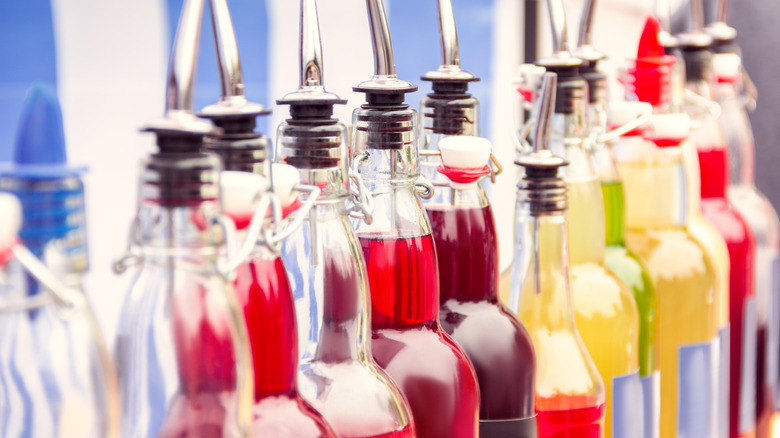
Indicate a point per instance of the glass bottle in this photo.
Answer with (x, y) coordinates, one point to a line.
(732, 91)
(603, 304)
(337, 372)
(658, 78)
(656, 220)
(717, 208)
(181, 307)
(497, 344)
(570, 393)
(264, 294)
(618, 258)
(56, 377)
(407, 340)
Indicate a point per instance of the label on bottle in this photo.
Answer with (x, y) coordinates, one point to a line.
(627, 406)
(747, 379)
(724, 383)
(511, 428)
(651, 404)
(697, 389)
(773, 333)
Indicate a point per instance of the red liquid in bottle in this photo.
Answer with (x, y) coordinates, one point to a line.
(207, 386)
(495, 341)
(264, 293)
(717, 209)
(569, 423)
(426, 364)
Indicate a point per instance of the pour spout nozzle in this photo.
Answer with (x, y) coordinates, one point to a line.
(184, 58)
(384, 64)
(586, 24)
(545, 109)
(229, 63)
(560, 33)
(312, 74)
(450, 49)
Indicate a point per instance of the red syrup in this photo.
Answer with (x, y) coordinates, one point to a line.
(569, 423)
(207, 394)
(741, 245)
(426, 364)
(495, 341)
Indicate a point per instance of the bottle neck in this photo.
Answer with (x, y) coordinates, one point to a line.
(466, 247)
(585, 199)
(264, 292)
(738, 133)
(656, 185)
(540, 283)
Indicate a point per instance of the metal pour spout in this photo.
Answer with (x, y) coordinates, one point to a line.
(449, 70)
(178, 116)
(545, 111)
(311, 90)
(560, 37)
(385, 79)
(720, 30)
(585, 49)
(695, 36)
(233, 102)
(312, 74)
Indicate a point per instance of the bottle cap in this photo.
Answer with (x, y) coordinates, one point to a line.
(464, 159)
(651, 76)
(620, 113)
(241, 192)
(726, 66)
(53, 208)
(285, 178)
(674, 127)
(10, 223)
(39, 150)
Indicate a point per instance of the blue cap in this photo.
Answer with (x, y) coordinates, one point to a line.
(51, 192)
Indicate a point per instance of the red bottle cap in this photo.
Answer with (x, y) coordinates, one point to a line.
(651, 76)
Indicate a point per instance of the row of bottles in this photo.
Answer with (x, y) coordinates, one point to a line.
(352, 287)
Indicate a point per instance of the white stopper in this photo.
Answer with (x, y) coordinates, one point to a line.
(465, 152)
(621, 112)
(726, 65)
(241, 192)
(671, 126)
(10, 220)
(285, 177)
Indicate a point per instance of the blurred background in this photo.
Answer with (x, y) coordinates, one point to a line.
(107, 62)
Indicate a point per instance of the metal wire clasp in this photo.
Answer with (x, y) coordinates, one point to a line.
(362, 199)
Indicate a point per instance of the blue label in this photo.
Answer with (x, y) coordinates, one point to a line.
(627, 411)
(747, 378)
(651, 395)
(724, 373)
(697, 389)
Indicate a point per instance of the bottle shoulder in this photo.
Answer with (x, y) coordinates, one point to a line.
(289, 417)
(728, 221)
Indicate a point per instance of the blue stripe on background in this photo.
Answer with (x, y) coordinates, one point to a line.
(414, 25)
(27, 55)
(250, 19)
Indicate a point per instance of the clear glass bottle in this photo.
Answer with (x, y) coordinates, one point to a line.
(337, 373)
(763, 221)
(57, 377)
(407, 339)
(570, 393)
(265, 295)
(497, 344)
(603, 304)
(181, 307)
(656, 220)
(658, 78)
(717, 209)
(618, 258)
(630, 268)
